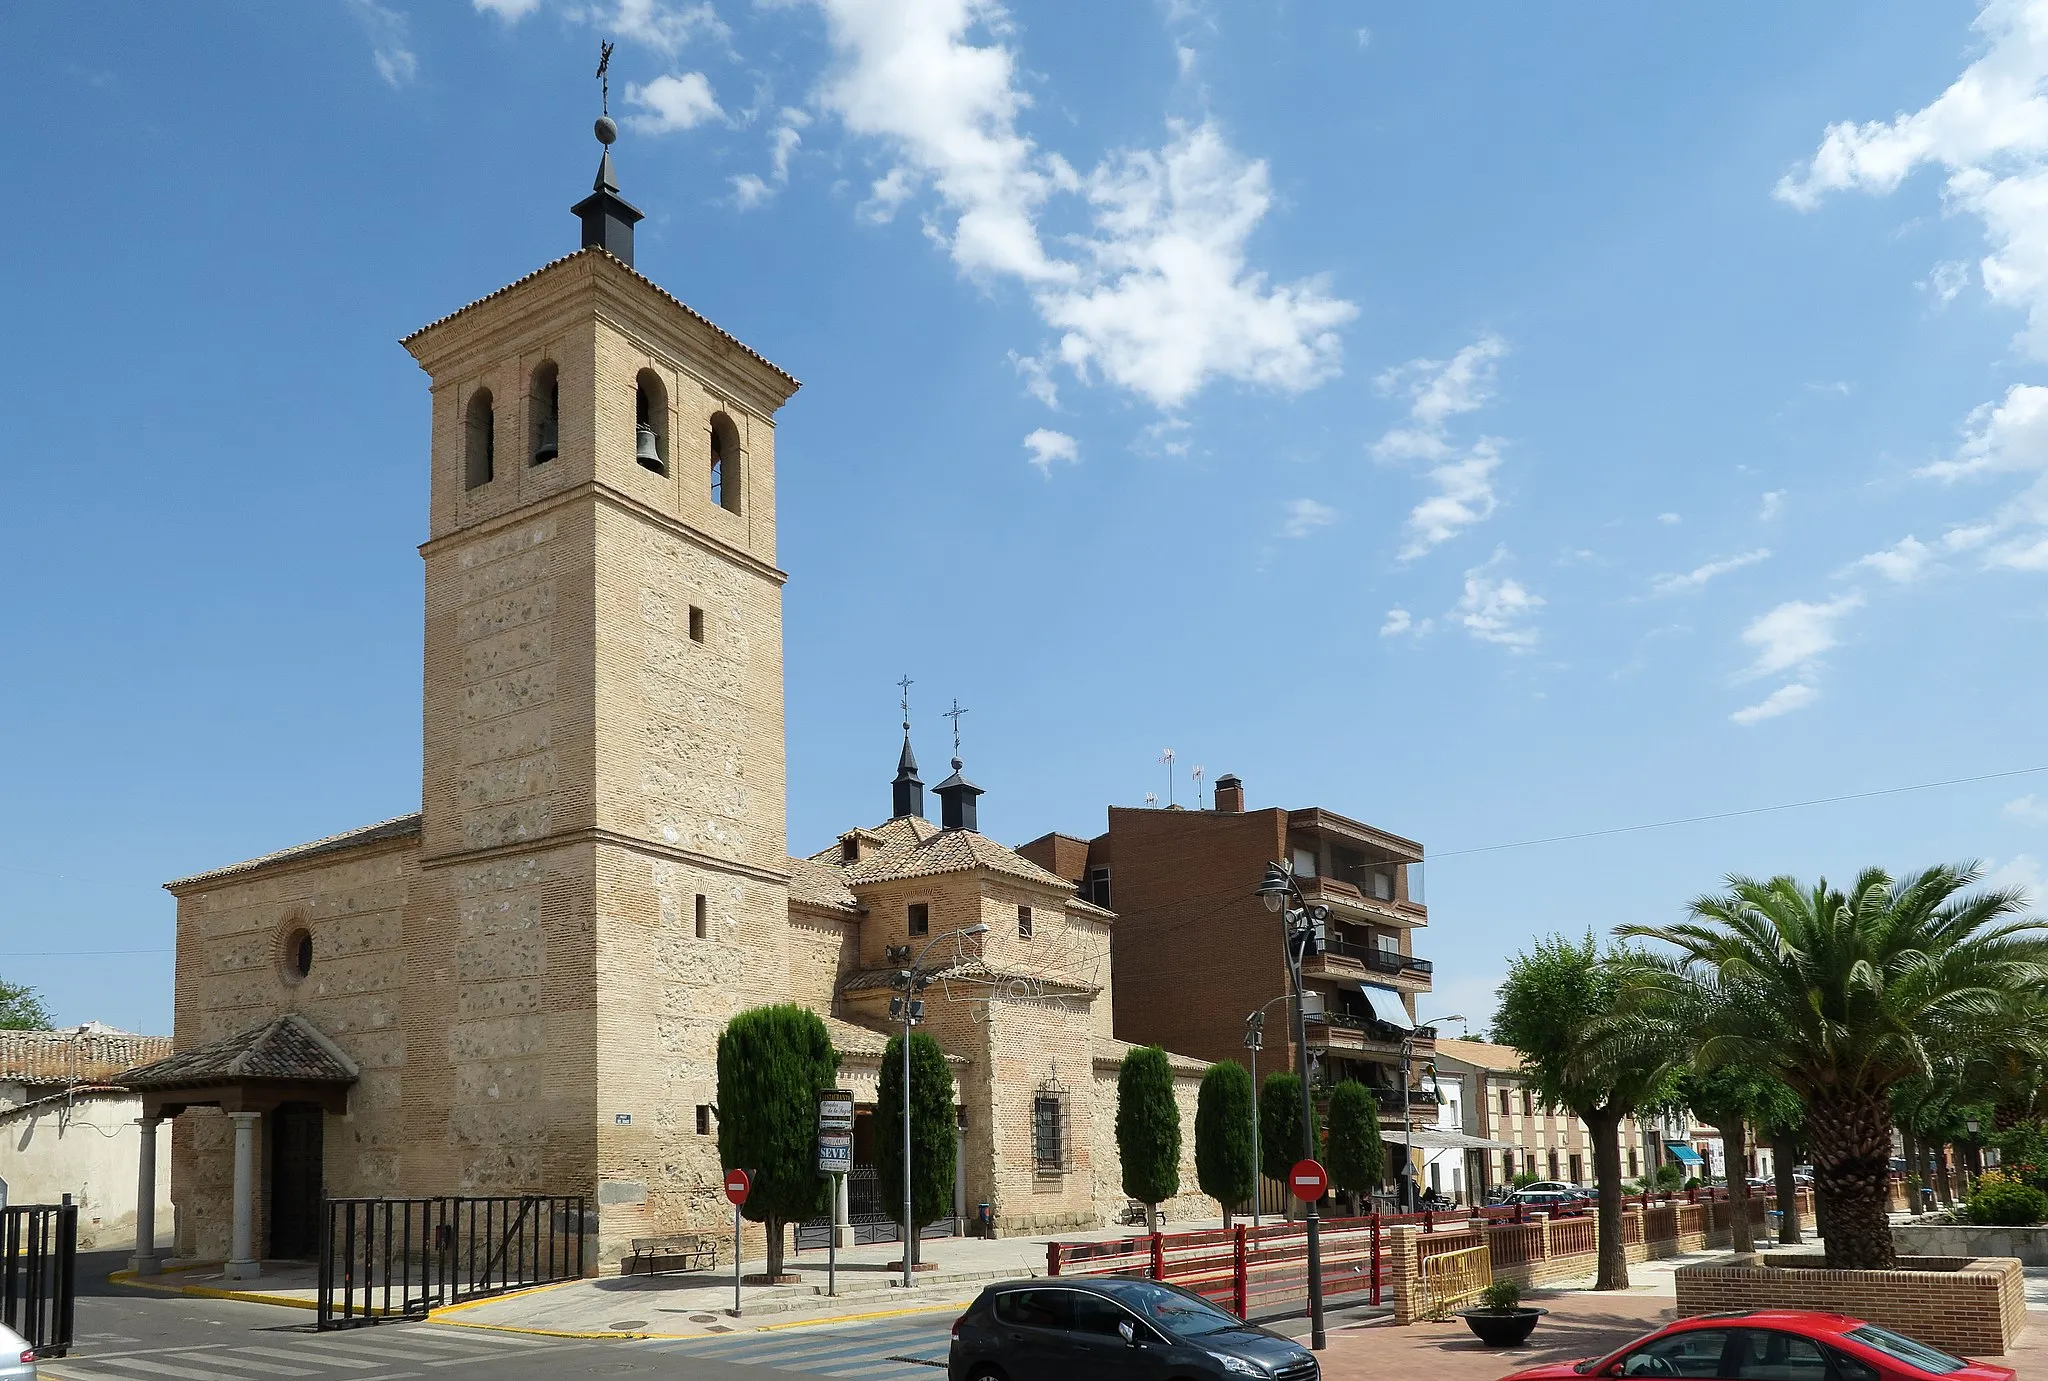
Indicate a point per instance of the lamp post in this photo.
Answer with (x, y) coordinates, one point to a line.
(1255, 1041)
(1303, 936)
(1407, 1133)
(910, 1007)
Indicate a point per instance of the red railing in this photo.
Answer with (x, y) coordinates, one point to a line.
(1244, 1269)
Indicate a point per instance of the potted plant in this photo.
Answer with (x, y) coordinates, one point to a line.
(1500, 1320)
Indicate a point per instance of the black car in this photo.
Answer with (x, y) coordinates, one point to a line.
(1102, 1328)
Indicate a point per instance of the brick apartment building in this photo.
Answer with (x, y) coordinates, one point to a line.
(1195, 952)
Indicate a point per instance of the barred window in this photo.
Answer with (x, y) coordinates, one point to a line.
(1048, 1134)
(1023, 922)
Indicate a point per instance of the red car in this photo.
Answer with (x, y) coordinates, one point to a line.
(1774, 1345)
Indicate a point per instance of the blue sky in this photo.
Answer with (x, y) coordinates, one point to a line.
(1490, 423)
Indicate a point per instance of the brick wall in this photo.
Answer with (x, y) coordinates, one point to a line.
(1971, 1307)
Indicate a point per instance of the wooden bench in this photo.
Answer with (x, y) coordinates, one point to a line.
(688, 1251)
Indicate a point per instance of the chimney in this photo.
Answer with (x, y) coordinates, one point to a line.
(1230, 794)
(956, 801)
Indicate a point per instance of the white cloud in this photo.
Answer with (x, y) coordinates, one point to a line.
(1700, 575)
(1399, 621)
(1157, 296)
(1038, 380)
(1989, 132)
(1049, 446)
(1945, 280)
(1495, 608)
(674, 101)
(1168, 437)
(2009, 435)
(1796, 632)
(666, 27)
(1838, 388)
(390, 42)
(1773, 504)
(2028, 808)
(1365, 38)
(511, 11)
(1305, 516)
(2021, 870)
(1440, 390)
(749, 191)
(1783, 700)
(1904, 562)
(1669, 519)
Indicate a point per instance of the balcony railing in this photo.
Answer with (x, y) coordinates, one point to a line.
(1390, 1098)
(1372, 1028)
(1377, 959)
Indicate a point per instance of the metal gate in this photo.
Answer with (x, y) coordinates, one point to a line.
(39, 1274)
(383, 1259)
(868, 1215)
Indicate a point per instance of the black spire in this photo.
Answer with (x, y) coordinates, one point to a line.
(908, 791)
(956, 801)
(608, 218)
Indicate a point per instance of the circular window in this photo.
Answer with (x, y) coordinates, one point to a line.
(297, 957)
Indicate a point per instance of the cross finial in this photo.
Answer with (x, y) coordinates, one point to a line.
(954, 715)
(604, 67)
(904, 685)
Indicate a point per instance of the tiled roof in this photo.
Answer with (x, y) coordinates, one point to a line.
(972, 969)
(817, 884)
(1503, 1059)
(629, 269)
(1110, 1051)
(396, 828)
(80, 1054)
(945, 851)
(851, 1039)
(289, 1047)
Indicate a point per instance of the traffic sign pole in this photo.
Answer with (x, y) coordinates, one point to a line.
(737, 1185)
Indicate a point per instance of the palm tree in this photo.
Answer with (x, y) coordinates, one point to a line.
(1871, 985)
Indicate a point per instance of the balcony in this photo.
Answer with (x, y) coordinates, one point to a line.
(1345, 1033)
(1390, 1100)
(1348, 957)
(1345, 900)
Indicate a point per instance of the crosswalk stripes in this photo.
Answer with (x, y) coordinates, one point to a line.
(385, 1353)
(911, 1349)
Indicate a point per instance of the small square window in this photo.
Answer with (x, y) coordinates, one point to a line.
(1098, 887)
(696, 624)
(1023, 922)
(703, 1119)
(920, 918)
(703, 917)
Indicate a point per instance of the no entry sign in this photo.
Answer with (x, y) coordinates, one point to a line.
(737, 1183)
(1308, 1180)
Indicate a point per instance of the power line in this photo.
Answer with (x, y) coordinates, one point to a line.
(1735, 814)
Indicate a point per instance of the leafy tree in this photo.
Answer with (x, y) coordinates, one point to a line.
(1784, 1126)
(934, 1133)
(1357, 1159)
(22, 1008)
(1223, 1136)
(1873, 984)
(1148, 1129)
(1280, 1127)
(772, 1064)
(1557, 1008)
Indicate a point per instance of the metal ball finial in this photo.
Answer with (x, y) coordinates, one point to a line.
(607, 129)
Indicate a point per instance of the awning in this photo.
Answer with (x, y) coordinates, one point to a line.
(1386, 1005)
(1442, 1139)
(1680, 1151)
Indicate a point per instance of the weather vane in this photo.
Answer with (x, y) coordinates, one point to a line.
(954, 715)
(905, 684)
(604, 67)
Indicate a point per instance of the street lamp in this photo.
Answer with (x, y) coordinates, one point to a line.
(910, 1007)
(1255, 1041)
(1303, 937)
(1407, 1132)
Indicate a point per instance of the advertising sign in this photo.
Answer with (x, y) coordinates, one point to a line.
(835, 1110)
(835, 1153)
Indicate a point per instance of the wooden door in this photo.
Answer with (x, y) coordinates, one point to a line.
(295, 1181)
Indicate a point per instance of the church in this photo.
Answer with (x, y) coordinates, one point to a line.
(520, 987)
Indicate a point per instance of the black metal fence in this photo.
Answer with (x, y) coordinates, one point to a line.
(868, 1213)
(39, 1274)
(383, 1259)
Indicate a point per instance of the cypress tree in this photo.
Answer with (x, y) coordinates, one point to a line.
(934, 1131)
(1280, 1127)
(772, 1064)
(1148, 1129)
(1223, 1136)
(1357, 1158)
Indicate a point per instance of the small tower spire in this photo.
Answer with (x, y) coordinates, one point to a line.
(957, 794)
(908, 791)
(607, 217)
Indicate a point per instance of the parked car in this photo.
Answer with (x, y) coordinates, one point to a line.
(1083, 1329)
(1774, 1342)
(1548, 1187)
(17, 1358)
(1545, 1198)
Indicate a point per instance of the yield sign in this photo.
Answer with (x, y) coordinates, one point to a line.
(737, 1183)
(1308, 1180)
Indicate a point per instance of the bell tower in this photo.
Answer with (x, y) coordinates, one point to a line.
(603, 762)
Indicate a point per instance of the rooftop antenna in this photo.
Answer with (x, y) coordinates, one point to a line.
(954, 715)
(1166, 756)
(1197, 774)
(1151, 798)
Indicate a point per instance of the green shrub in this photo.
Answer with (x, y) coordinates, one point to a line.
(2007, 1204)
(1223, 1135)
(1669, 1176)
(1501, 1296)
(1148, 1126)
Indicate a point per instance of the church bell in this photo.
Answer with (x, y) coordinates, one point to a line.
(544, 447)
(645, 448)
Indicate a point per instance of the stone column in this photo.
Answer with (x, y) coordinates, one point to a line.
(242, 1263)
(842, 1227)
(144, 1261)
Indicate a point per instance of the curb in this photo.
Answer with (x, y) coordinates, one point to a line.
(130, 1279)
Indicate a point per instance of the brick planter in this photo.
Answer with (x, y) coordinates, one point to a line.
(1972, 1305)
